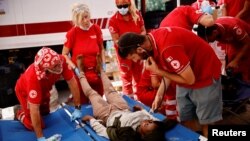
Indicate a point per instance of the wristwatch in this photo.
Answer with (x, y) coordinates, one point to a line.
(78, 107)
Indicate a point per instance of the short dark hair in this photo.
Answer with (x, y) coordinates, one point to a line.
(128, 43)
(158, 134)
(203, 31)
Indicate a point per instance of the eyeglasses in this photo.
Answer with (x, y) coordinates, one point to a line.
(122, 6)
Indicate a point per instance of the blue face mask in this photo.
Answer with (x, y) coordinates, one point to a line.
(123, 11)
(207, 9)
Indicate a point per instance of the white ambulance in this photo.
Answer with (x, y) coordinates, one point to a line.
(32, 23)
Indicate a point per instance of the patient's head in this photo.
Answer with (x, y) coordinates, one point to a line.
(155, 130)
(146, 127)
(148, 130)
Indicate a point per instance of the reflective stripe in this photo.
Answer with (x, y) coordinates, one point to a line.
(169, 112)
(21, 117)
(169, 102)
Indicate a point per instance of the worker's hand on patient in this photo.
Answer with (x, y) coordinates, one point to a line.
(87, 118)
(76, 114)
(55, 137)
(156, 103)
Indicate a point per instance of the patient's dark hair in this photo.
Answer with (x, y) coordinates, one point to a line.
(203, 31)
(123, 134)
(159, 133)
(128, 134)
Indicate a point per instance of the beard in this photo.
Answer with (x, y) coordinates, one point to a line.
(144, 55)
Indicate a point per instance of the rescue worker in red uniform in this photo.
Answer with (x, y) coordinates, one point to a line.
(127, 19)
(186, 17)
(189, 61)
(85, 39)
(148, 87)
(236, 8)
(235, 32)
(34, 85)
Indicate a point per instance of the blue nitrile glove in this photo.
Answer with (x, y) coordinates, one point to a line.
(104, 66)
(41, 139)
(56, 137)
(77, 72)
(207, 9)
(76, 114)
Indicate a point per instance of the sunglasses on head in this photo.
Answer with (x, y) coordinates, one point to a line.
(122, 6)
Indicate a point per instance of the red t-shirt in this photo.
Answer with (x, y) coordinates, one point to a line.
(86, 43)
(118, 25)
(174, 55)
(233, 7)
(182, 16)
(37, 91)
(145, 81)
(233, 30)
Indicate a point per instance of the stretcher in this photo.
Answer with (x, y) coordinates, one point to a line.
(59, 122)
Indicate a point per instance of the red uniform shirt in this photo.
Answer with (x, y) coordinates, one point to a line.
(37, 91)
(233, 30)
(145, 81)
(233, 7)
(174, 55)
(118, 25)
(130, 75)
(85, 42)
(183, 16)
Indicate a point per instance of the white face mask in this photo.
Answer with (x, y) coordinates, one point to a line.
(123, 11)
(86, 28)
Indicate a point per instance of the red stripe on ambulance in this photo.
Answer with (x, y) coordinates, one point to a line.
(43, 28)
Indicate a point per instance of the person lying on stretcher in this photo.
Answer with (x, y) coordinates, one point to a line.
(113, 118)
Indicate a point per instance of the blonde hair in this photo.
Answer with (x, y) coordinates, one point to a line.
(133, 11)
(78, 9)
